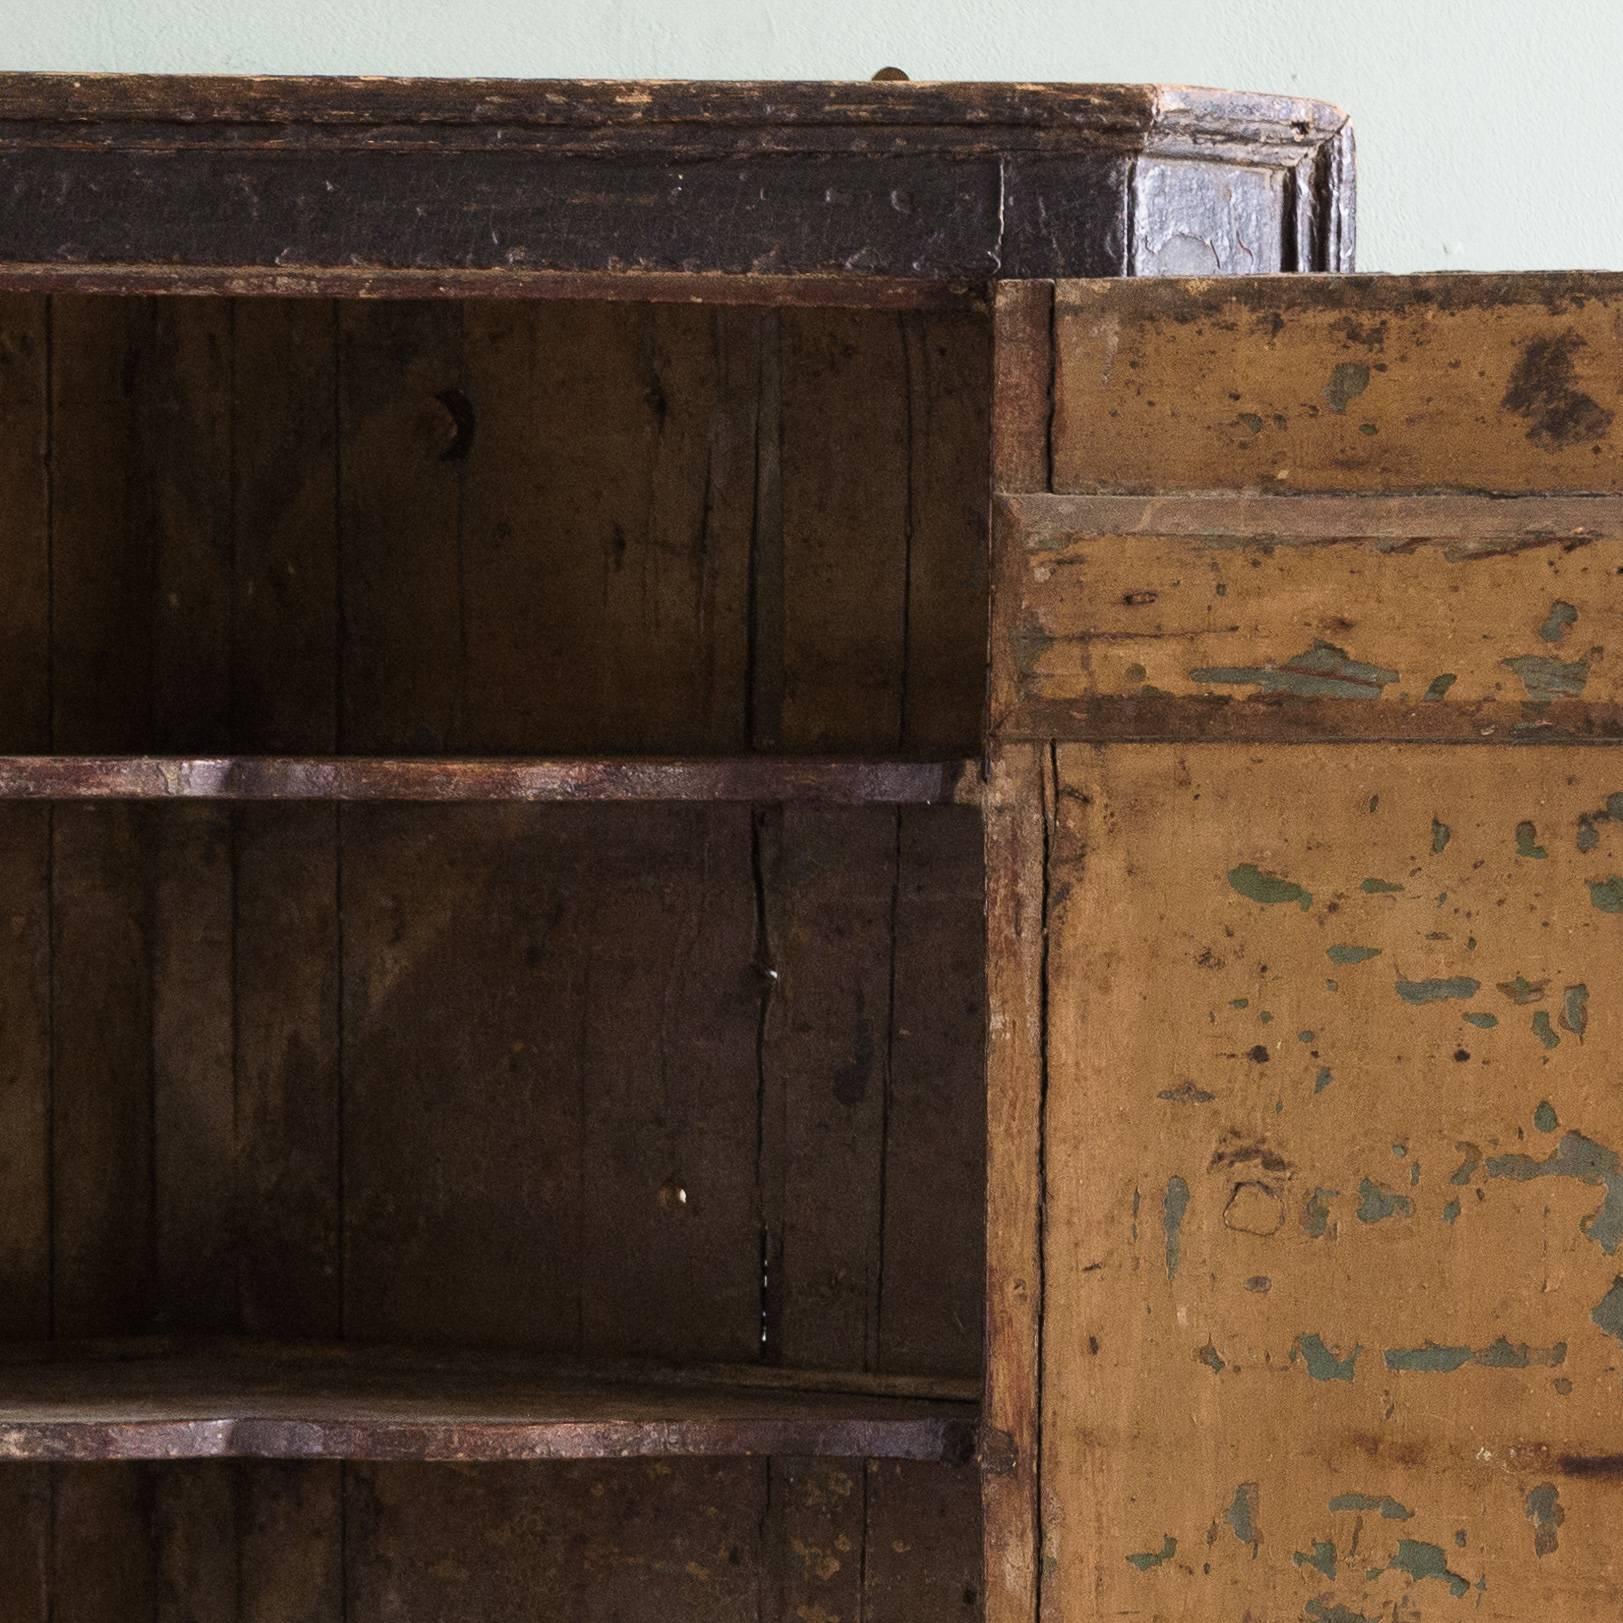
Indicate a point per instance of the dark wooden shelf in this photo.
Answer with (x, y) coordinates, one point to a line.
(816, 780)
(243, 1400)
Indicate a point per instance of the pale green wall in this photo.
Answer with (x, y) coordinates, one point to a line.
(1488, 131)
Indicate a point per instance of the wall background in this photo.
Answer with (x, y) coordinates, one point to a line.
(1488, 134)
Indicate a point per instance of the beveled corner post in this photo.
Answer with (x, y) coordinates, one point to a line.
(1303, 834)
(890, 194)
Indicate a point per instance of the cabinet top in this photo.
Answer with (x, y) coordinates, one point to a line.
(946, 115)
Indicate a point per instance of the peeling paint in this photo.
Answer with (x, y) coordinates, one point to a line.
(1212, 1359)
(1421, 1560)
(1523, 991)
(1186, 1093)
(1543, 1030)
(1586, 1161)
(1545, 1118)
(1322, 1559)
(1466, 1170)
(1607, 894)
(1324, 1363)
(1433, 1359)
(1316, 1212)
(1323, 1609)
(1323, 1079)
(1174, 1203)
(1527, 842)
(1608, 1311)
(1147, 1559)
(1383, 1505)
(1320, 672)
(1268, 888)
(1547, 678)
(1242, 1515)
(1481, 1019)
(1439, 687)
(1543, 1505)
(1436, 991)
(1376, 1203)
(1380, 887)
(1344, 953)
(1348, 380)
(1451, 1212)
(1575, 1010)
(1561, 618)
(1441, 834)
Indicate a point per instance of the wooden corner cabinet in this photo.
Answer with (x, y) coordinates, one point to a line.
(502, 803)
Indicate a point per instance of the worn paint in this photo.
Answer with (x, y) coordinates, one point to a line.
(1527, 842)
(1421, 1560)
(1147, 1559)
(1433, 1359)
(1543, 1030)
(1437, 689)
(1561, 618)
(1324, 1363)
(1547, 678)
(1186, 1093)
(1322, 1558)
(1575, 1010)
(1451, 1212)
(1268, 888)
(1579, 1157)
(1466, 1170)
(1316, 1212)
(1383, 1505)
(1523, 991)
(1543, 388)
(1438, 990)
(1348, 380)
(1545, 1118)
(1441, 834)
(1381, 887)
(1608, 1312)
(1174, 1203)
(1607, 894)
(1322, 1079)
(1376, 1203)
(1322, 671)
(1242, 1515)
(1543, 1506)
(1481, 1019)
(1588, 836)
(1345, 953)
(1212, 1359)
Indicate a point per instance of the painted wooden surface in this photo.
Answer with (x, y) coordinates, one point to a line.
(1332, 1184)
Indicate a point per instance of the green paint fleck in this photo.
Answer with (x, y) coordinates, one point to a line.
(1380, 887)
(1523, 991)
(1174, 1203)
(1440, 836)
(1526, 842)
(1439, 687)
(1242, 1515)
(1186, 1093)
(1259, 1284)
(1265, 1016)
(1481, 1020)
(1542, 1029)
(1384, 1505)
(1575, 1010)
(1433, 1359)
(1341, 953)
(1348, 380)
(1240, 1003)
(1153, 1558)
(1420, 1560)
(1588, 834)
(1212, 1359)
(1466, 1170)
(1558, 621)
(1608, 1312)
(1324, 1363)
(1436, 991)
(1332, 986)
(1322, 1560)
(1544, 1118)
(1316, 1213)
(1607, 894)
(1320, 672)
(1414, 1174)
(1546, 678)
(1267, 888)
(1586, 1161)
(1304, 1036)
(1544, 1511)
(1323, 1079)
(1451, 1211)
(1323, 1609)
(1376, 1203)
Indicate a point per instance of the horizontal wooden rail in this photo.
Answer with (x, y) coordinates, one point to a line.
(821, 780)
(293, 1401)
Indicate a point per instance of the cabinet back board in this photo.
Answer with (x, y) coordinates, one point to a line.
(1304, 629)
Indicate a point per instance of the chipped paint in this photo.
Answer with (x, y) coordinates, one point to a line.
(1324, 1609)
(1523, 991)
(1348, 380)
(1586, 1161)
(1547, 678)
(1543, 1506)
(1147, 1559)
(1324, 1363)
(1345, 953)
(1561, 618)
(1543, 1030)
(1320, 672)
(1441, 834)
(1268, 888)
(1545, 1118)
(1575, 1010)
(1242, 1515)
(1451, 1212)
(1607, 894)
(1186, 1093)
(1322, 1558)
(1527, 842)
(1608, 1311)
(1174, 1203)
(1481, 1019)
(1439, 687)
(1466, 1170)
(1438, 990)
(1421, 1560)
(1383, 1505)
(1323, 1079)
(1316, 1212)
(1380, 887)
(1211, 1358)
(1376, 1203)
(1433, 1359)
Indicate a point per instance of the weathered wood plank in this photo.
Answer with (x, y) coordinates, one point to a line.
(1453, 616)
(1022, 385)
(1331, 1133)
(1339, 383)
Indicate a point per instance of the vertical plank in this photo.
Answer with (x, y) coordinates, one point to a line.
(1016, 908)
(1022, 385)
(923, 1562)
(25, 1230)
(813, 1544)
(291, 1528)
